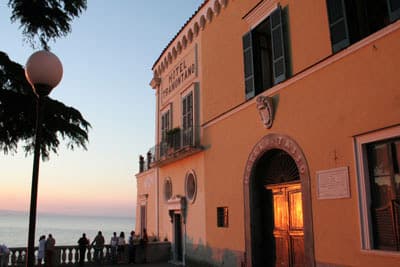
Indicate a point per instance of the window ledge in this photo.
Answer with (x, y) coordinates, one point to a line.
(383, 253)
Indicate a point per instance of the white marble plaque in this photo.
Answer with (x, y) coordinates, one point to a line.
(333, 183)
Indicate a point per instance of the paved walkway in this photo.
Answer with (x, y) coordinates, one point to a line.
(162, 264)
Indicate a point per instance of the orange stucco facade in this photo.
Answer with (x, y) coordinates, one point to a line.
(328, 103)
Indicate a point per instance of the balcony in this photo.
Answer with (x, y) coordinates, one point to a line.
(177, 144)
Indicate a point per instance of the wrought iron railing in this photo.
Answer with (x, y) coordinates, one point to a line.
(175, 142)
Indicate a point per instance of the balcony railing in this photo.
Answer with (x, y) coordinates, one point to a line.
(69, 255)
(177, 143)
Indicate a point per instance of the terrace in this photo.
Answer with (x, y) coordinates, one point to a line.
(154, 254)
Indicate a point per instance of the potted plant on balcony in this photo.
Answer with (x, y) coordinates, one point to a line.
(173, 137)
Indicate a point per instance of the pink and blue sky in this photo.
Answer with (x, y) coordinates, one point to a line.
(107, 62)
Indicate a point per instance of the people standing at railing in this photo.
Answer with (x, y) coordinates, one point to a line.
(49, 251)
(98, 243)
(114, 245)
(41, 250)
(83, 243)
(4, 254)
(121, 247)
(132, 250)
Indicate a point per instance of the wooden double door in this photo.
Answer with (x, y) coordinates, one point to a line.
(288, 228)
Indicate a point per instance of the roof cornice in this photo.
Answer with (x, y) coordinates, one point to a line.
(188, 33)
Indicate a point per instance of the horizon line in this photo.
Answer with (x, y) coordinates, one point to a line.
(66, 214)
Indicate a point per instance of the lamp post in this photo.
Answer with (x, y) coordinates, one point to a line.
(43, 71)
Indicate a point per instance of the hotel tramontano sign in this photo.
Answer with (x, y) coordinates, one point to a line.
(180, 75)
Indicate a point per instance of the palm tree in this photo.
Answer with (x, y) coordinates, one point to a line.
(45, 20)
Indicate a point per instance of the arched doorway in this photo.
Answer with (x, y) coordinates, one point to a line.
(278, 221)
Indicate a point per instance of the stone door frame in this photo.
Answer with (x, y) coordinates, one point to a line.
(287, 144)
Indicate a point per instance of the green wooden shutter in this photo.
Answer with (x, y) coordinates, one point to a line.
(168, 120)
(184, 114)
(248, 65)
(394, 9)
(338, 24)
(163, 128)
(278, 48)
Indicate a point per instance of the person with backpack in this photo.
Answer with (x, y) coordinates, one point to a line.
(98, 243)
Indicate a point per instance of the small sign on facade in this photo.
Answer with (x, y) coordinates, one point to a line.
(333, 183)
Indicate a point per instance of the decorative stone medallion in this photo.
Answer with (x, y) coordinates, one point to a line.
(266, 109)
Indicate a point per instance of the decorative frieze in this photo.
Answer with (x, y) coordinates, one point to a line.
(188, 33)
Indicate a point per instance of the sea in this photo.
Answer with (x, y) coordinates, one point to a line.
(66, 229)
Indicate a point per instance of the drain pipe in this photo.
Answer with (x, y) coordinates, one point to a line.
(157, 169)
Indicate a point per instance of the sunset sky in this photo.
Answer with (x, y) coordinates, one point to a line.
(107, 62)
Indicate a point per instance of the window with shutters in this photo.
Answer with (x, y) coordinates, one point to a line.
(265, 62)
(353, 20)
(187, 119)
(379, 157)
(166, 125)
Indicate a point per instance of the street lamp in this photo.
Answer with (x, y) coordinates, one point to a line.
(43, 71)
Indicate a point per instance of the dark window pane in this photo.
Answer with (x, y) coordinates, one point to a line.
(377, 14)
(385, 181)
(222, 217)
(396, 159)
(382, 191)
(394, 5)
(380, 160)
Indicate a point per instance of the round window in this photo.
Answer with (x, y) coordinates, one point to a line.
(167, 188)
(191, 187)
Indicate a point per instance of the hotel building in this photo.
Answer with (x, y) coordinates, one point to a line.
(277, 136)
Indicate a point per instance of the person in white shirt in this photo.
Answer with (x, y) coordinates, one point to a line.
(114, 245)
(121, 246)
(42, 246)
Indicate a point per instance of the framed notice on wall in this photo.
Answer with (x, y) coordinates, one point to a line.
(333, 183)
